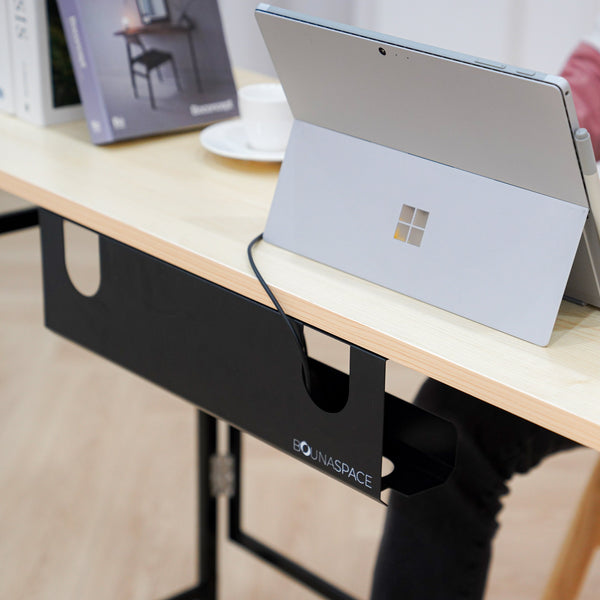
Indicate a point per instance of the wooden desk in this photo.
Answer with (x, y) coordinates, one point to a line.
(170, 198)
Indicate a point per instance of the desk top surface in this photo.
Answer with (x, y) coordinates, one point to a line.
(170, 198)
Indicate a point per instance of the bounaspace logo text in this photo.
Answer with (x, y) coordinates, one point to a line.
(334, 464)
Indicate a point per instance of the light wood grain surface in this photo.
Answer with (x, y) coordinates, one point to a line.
(169, 197)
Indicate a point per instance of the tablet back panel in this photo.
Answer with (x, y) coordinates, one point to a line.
(487, 157)
(495, 253)
(496, 123)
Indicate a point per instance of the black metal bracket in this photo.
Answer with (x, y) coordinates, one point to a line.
(410, 429)
(21, 219)
(235, 359)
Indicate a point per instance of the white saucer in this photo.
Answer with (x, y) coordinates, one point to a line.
(229, 139)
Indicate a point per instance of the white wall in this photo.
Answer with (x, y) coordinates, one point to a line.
(552, 29)
(531, 33)
(469, 26)
(246, 47)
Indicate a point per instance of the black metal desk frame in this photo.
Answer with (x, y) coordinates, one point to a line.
(215, 348)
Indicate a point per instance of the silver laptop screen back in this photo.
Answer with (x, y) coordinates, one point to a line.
(509, 127)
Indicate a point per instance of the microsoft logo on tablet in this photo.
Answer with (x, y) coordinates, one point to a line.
(411, 225)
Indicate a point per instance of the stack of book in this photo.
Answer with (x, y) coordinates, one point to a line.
(7, 99)
(140, 67)
(36, 78)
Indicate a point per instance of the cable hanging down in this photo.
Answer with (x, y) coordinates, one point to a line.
(298, 336)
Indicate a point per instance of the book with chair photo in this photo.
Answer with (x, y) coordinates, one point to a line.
(145, 67)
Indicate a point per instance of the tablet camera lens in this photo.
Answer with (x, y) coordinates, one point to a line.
(382, 51)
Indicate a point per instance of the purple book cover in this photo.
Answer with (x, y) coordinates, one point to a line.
(145, 67)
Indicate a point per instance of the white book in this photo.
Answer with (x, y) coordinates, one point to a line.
(7, 100)
(44, 88)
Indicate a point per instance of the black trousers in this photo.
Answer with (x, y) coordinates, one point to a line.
(437, 545)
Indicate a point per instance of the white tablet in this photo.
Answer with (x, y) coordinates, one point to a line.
(452, 179)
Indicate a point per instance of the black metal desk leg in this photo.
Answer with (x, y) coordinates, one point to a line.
(207, 505)
(256, 547)
(20, 219)
(207, 515)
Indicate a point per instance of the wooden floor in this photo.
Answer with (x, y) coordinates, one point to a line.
(97, 482)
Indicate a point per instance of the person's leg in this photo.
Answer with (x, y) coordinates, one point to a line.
(437, 544)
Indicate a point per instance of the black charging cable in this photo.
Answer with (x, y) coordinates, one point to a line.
(295, 329)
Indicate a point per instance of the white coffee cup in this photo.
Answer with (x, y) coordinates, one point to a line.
(266, 116)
